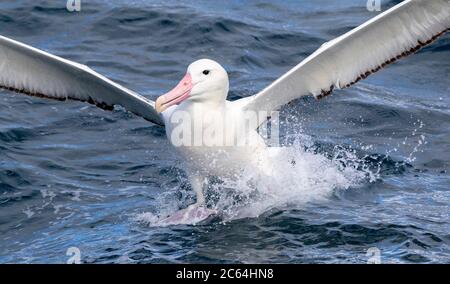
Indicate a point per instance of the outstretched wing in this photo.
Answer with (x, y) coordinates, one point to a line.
(340, 63)
(33, 72)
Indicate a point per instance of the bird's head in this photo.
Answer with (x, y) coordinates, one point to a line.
(205, 81)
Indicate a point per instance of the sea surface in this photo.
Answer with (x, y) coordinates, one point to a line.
(372, 162)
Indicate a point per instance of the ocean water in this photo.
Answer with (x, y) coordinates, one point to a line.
(372, 162)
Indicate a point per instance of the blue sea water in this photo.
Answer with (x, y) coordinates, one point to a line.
(72, 175)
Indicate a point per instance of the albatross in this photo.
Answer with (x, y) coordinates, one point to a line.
(396, 33)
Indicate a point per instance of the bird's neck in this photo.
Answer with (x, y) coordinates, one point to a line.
(216, 104)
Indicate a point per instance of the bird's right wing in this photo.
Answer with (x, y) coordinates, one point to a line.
(33, 72)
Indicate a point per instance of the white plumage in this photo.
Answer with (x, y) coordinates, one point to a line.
(34, 72)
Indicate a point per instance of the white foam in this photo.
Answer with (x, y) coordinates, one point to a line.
(312, 177)
(301, 176)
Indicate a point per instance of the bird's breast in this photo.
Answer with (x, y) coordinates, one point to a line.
(215, 141)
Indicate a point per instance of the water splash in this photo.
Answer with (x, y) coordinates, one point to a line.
(418, 142)
(301, 175)
(304, 172)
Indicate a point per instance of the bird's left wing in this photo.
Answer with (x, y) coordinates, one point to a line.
(396, 33)
(33, 72)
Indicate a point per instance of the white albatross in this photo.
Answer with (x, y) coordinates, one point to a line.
(339, 63)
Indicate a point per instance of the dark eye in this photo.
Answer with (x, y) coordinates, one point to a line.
(205, 72)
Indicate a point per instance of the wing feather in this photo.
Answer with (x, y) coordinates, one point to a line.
(343, 61)
(33, 72)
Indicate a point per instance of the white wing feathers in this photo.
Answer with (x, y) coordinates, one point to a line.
(31, 71)
(398, 32)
